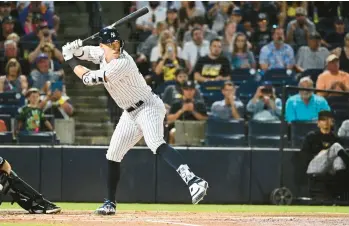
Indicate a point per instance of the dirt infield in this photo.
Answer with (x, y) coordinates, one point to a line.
(84, 218)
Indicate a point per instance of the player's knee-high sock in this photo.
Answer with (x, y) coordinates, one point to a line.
(113, 179)
(175, 159)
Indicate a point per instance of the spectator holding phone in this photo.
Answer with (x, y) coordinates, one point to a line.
(265, 106)
(36, 39)
(169, 62)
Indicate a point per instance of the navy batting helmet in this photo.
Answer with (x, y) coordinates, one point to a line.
(110, 35)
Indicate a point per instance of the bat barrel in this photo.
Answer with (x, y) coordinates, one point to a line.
(123, 20)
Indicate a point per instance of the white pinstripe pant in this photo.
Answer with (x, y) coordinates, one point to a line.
(147, 121)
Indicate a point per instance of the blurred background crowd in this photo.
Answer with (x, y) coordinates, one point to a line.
(209, 61)
(237, 56)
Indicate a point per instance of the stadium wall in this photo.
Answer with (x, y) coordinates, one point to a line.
(78, 173)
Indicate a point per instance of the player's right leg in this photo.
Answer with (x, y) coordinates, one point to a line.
(151, 120)
(125, 136)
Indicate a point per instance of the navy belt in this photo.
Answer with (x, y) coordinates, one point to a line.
(138, 104)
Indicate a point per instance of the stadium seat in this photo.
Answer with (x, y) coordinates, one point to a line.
(7, 120)
(299, 129)
(161, 88)
(211, 92)
(6, 138)
(313, 73)
(9, 109)
(240, 75)
(264, 133)
(11, 98)
(37, 138)
(279, 76)
(246, 90)
(225, 132)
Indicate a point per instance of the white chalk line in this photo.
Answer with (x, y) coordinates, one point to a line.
(170, 222)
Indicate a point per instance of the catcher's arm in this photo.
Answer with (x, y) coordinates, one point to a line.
(5, 166)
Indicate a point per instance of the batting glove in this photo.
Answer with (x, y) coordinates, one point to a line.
(67, 52)
(76, 47)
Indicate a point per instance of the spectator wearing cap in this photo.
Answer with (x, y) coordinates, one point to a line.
(236, 16)
(42, 76)
(218, 14)
(332, 75)
(195, 49)
(343, 54)
(37, 7)
(145, 24)
(318, 142)
(264, 105)
(230, 107)
(34, 39)
(215, 66)
(186, 108)
(335, 38)
(31, 117)
(299, 29)
(252, 9)
(305, 106)
(7, 27)
(57, 103)
(277, 54)
(54, 55)
(12, 52)
(312, 56)
(175, 92)
(241, 57)
(262, 35)
(13, 80)
(199, 22)
(6, 11)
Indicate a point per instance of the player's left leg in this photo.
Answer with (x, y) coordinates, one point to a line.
(151, 122)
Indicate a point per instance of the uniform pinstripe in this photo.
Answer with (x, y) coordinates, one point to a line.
(127, 87)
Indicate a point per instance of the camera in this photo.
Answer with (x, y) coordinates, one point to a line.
(267, 90)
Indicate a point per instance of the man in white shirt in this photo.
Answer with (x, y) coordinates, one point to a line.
(195, 49)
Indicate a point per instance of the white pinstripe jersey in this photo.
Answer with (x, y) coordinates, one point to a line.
(125, 84)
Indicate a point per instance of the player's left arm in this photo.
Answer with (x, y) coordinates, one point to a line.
(112, 71)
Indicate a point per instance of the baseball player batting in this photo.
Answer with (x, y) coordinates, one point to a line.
(143, 113)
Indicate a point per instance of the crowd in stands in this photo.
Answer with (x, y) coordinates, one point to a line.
(231, 60)
(31, 75)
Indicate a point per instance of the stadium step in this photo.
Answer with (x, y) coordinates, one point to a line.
(91, 115)
(90, 103)
(95, 140)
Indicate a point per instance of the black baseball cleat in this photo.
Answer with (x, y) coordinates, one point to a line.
(108, 208)
(49, 208)
(198, 188)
